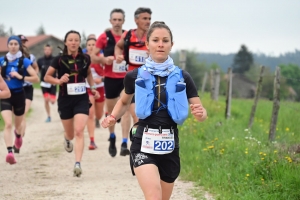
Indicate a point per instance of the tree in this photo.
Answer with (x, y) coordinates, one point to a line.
(10, 31)
(291, 74)
(3, 33)
(83, 40)
(40, 30)
(243, 60)
(195, 68)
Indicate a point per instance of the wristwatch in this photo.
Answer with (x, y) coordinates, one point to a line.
(93, 87)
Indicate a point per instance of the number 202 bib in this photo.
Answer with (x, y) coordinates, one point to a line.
(154, 142)
(76, 88)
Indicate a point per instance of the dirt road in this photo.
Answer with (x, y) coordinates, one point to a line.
(44, 170)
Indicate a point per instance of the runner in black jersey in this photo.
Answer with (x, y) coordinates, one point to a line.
(73, 68)
(49, 90)
(163, 93)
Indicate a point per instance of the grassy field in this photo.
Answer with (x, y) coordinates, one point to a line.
(232, 162)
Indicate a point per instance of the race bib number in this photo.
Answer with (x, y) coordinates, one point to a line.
(119, 67)
(154, 142)
(137, 57)
(45, 85)
(76, 88)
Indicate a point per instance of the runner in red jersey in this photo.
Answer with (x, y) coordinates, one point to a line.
(131, 47)
(96, 110)
(114, 75)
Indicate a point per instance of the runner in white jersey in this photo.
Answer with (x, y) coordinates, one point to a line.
(96, 110)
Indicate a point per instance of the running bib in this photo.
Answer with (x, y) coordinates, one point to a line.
(119, 67)
(45, 85)
(154, 142)
(137, 57)
(76, 88)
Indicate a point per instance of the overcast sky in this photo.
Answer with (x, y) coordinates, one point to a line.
(266, 26)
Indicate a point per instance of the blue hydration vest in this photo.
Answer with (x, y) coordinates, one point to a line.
(177, 102)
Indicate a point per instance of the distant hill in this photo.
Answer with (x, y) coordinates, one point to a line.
(226, 60)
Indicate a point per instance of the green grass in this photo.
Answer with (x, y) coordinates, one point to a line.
(232, 162)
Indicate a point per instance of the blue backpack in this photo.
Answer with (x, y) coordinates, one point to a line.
(175, 87)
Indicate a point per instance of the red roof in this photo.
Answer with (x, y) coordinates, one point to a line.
(32, 40)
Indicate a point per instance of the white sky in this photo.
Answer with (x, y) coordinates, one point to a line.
(266, 26)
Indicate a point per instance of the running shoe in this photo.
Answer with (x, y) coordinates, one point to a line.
(10, 158)
(92, 146)
(48, 120)
(68, 146)
(18, 141)
(77, 170)
(16, 150)
(97, 123)
(124, 150)
(112, 147)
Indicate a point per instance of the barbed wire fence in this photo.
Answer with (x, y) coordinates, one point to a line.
(213, 77)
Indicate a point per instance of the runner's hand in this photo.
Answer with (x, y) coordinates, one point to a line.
(64, 79)
(95, 93)
(119, 58)
(109, 60)
(198, 111)
(15, 75)
(108, 121)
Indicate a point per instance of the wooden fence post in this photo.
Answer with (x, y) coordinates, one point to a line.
(212, 86)
(182, 59)
(228, 94)
(217, 84)
(257, 94)
(204, 83)
(276, 105)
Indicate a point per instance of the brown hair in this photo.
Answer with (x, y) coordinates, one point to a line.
(65, 50)
(91, 39)
(158, 24)
(25, 51)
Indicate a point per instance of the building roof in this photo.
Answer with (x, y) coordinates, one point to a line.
(32, 40)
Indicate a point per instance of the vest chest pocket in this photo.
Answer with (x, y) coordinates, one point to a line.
(143, 99)
(178, 106)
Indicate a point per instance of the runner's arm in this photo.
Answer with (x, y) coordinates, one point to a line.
(95, 58)
(33, 77)
(49, 76)
(90, 78)
(4, 90)
(120, 108)
(119, 50)
(35, 67)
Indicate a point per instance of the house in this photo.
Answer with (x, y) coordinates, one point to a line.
(242, 87)
(35, 44)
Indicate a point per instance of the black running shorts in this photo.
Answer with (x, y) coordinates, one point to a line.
(50, 91)
(28, 92)
(15, 103)
(69, 106)
(168, 164)
(113, 87)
